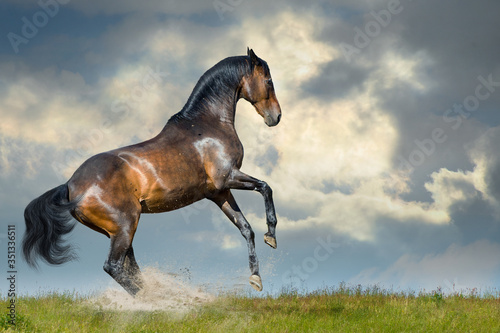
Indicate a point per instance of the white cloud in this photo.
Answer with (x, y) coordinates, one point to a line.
(451, 187)
(19, 158)
(40, 107)
(218, 238)
(396, 69)
(230, 242)
(454, 189)
(288, 43)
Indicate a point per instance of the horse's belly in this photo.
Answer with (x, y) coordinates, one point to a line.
(167, 199)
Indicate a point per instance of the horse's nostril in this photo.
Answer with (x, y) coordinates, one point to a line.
(279, 118)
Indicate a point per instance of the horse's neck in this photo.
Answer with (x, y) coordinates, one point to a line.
(221, 110)
(216, 114)
(218, 107)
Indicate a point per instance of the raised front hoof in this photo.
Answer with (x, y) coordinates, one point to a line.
(256, 282)
(270, 240)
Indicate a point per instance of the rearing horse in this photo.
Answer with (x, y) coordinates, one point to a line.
(197, 155)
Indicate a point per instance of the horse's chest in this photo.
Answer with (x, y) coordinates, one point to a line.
(218, 157)
(219, 153)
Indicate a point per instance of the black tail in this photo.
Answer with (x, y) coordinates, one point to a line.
(48, 218)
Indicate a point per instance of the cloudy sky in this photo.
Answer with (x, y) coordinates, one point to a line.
(385, 166)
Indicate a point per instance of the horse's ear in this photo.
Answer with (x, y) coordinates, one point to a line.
(253, 57)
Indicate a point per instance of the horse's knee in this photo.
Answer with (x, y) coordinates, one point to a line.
(265, 189)
(268, 189)
(248, 233)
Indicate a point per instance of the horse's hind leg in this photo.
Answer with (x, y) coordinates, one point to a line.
(228, 205)
(121, 264)
(132, 267)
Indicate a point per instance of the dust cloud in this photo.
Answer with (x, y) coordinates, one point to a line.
(161, 292)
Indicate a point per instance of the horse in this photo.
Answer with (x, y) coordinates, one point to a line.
(197, 155)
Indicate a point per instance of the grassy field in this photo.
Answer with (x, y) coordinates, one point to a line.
(329, 310)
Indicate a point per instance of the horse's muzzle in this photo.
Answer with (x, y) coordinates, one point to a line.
(272, 120)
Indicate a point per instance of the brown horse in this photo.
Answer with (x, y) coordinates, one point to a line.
(197, 155)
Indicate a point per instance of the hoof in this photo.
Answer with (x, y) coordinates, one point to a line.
(256, 282)
(270, 240)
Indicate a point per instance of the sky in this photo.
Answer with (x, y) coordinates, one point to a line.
(385, 167)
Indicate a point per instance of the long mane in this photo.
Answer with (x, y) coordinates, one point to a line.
(215, 87)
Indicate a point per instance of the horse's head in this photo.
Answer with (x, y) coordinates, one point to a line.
(258, 89)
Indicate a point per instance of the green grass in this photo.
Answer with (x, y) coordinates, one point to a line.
(329, 310)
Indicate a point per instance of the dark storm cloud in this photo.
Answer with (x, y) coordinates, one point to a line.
(99, 44)
(493, 179)
(460, 35)
(461, 43)
(335, 80)
(453, 43)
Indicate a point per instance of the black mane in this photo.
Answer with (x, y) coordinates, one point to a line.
(215, 87)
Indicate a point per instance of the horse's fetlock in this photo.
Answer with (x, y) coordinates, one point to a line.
(112, 269)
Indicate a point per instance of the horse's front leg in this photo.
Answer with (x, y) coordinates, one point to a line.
(242, 181)
(228, 205)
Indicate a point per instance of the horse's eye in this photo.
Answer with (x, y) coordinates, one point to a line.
(269, 82)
